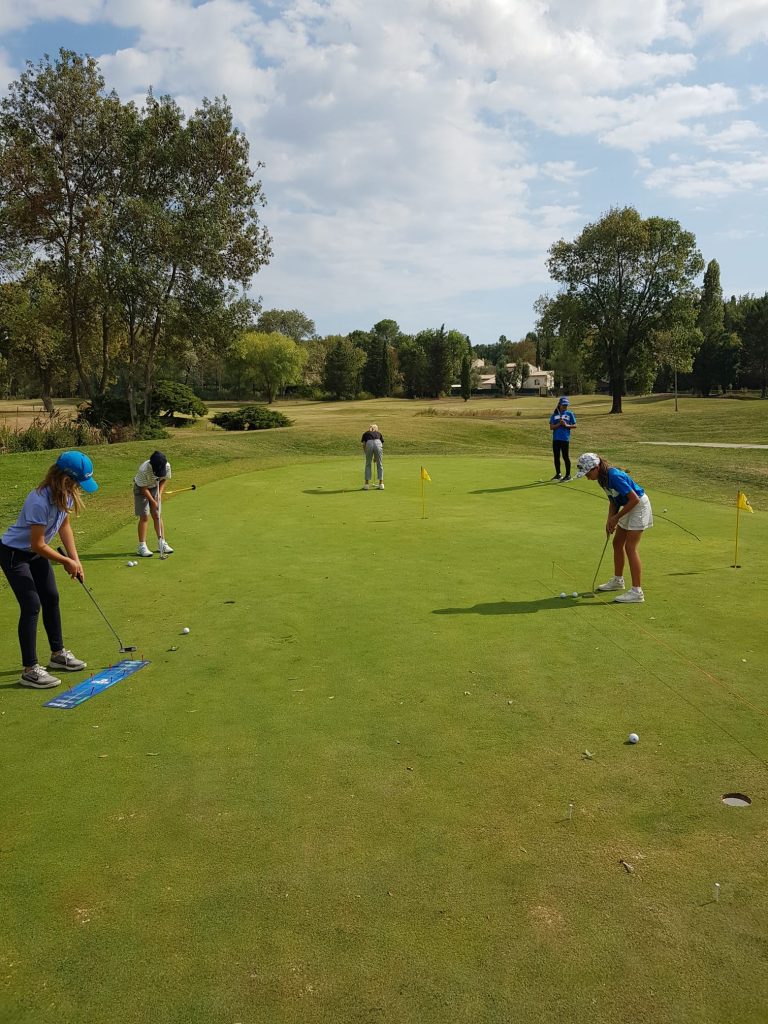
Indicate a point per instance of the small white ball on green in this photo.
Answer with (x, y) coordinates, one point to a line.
(634, 738)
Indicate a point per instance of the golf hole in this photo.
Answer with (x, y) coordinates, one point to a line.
(736, 800)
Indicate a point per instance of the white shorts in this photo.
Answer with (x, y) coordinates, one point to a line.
(641, 516)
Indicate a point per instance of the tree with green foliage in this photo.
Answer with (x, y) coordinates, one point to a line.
(291, 323)
(443, 350)
(717, 361)
(466, 377)
(343, 368)
(754, 337)
(629, 277)
(169, 397)
(676, 346)
(33, 315)
(271, 362)
(504, 379)
(412, 359)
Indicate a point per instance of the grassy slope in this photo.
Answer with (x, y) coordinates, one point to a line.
(341, 799)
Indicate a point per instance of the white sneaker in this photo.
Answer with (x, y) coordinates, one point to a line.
(164, 547)
(380, 486)
(38, 679)
(614, 583)
(67, 661)
(633, 596)
(365, 487)
(144, 551)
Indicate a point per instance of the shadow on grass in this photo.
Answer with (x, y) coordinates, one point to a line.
(344, 490)
(517, 487)
(518, 607)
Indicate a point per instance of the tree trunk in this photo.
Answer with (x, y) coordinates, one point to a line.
(617, 392)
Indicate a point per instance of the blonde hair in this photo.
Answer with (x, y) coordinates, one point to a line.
(65, 490)
(374, 426)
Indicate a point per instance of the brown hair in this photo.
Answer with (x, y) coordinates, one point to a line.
(602, 472)
(65, 490)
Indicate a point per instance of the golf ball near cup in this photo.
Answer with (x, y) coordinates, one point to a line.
(575, 593)
(185, 630)
(633, 737)
(563, 594)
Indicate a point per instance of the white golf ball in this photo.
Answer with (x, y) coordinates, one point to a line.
(575, 593)
(633, 737)
(563, 594)
(185, 630)
(665, 510)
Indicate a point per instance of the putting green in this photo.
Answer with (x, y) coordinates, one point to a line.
(344, 796)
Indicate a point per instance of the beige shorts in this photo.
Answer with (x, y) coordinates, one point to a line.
(641, 516)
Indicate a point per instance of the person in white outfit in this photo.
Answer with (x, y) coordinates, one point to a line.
(148, 486)
(629, 515)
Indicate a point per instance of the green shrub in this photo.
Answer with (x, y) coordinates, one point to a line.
(251, 417)
(169, 396)
(47, 432)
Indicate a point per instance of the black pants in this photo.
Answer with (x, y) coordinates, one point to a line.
(32, 581)
(561, 448)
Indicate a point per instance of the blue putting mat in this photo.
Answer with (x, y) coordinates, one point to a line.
(96, 684)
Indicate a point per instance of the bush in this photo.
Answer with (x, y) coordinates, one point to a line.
(251, 417)
(46, 432)
(169, 396)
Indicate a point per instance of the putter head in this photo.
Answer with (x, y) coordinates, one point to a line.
(193, 487)
(127, 648)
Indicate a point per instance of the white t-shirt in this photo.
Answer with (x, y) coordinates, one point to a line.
(146, 475)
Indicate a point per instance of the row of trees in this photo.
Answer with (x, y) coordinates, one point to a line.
(127, 236)
(629, 311)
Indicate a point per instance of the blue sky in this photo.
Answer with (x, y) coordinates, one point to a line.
(422, 155)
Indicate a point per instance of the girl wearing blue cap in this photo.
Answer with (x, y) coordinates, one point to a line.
(561, 423)
(26, 557)
(629, 515)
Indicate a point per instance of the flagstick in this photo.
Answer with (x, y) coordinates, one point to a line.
(736, 551)
(423, 506)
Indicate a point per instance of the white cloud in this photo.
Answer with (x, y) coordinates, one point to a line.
(741, 23)
(711, 178)
(419, 149)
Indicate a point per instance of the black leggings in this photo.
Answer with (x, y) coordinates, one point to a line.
(558, 448)
(32, 581)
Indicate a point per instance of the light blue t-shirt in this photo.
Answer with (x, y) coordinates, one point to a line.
(561, 431)
(620, 484)
(38, 510)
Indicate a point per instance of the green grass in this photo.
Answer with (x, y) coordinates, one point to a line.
(343, 797)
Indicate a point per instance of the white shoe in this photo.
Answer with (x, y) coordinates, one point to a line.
(67, 661)
(614, 583)
(380, 486)
(164, 547)
(365, 487)
(144, 551)
(633, 596)
(38, 679)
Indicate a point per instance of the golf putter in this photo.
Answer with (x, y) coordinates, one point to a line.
(161, 538)
(124, 648)
(180, 490)
(591, 593)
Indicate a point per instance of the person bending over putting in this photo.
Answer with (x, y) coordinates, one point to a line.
(629, 514)
(26, 557)
(561, 423)
(373, 446)
(148, 486)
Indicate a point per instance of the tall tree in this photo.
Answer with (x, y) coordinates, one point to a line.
(754, 336)
(61, 141)
(271, 362)
(466, 377)
(344, 364)
(290, 322)
(717, 360)
(629, 276)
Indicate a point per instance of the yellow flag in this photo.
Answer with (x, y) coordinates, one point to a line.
(425, 476)
(742, 503)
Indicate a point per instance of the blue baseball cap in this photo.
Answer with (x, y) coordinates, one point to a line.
(80, 468)
(563, 401)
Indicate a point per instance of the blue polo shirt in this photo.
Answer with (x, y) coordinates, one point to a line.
(562, 432)
(620, 484)
(38, 510)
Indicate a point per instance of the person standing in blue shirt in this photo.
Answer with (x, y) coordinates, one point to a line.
(561, 423)
(629, 515)
(26, 559)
